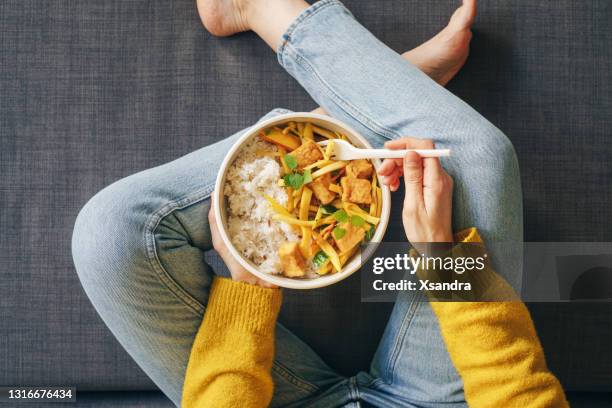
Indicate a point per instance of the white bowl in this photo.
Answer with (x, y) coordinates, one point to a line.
(220, 203)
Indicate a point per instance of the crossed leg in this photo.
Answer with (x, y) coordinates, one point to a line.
(139, 244)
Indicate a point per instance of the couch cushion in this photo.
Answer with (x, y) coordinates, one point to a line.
(93, 91)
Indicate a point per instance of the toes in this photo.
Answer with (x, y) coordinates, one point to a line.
(464, 16)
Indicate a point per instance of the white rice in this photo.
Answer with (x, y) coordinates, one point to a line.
(250, 226)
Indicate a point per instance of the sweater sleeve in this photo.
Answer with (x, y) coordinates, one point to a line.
(495, 349)
(232, 354)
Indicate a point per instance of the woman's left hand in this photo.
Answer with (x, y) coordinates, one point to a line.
(238, 272)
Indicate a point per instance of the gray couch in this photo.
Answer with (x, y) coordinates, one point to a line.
(92, 91)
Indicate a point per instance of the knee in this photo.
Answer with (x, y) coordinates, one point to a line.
(106, 235)
(498, 150)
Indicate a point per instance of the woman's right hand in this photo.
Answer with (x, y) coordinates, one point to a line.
(429, 190)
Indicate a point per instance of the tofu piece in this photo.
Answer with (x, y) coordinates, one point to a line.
(308, 153)
(320, 187)
(354, 235)
(292, 261)
(361, 168)
(356, 190)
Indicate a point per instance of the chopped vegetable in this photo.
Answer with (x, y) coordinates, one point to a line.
(293, 220)
(333, 206)
(328, 169)
(354, 209)
(329, 209)
(308, 131)
(323, 132)
(294, 180)
(329, 150)
(339, 232)
(370, 232)
(330, 251)
(357, 221)
(276, 206)
(290, 161)
(335, 188)
(279, 138)
(320, 259)
(307, 176)
(340, 216)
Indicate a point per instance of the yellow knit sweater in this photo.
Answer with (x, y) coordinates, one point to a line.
(493, 345)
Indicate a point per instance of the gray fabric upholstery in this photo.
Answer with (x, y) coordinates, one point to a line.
(92, 91)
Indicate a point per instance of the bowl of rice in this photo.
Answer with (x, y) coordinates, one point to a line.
(251, 200)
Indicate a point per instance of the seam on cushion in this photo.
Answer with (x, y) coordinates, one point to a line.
(344, 104)
(149, 238)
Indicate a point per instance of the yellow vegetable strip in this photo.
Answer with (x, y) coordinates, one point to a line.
(324, 269)
(335, 188)
(308, 131)
(323, 132)
(348, 255)
(282, 151)
(305, 203)
(289, 127)
(379, 200)
(297, 193)
(329, 168)
(292, 220)
(327, 220)
(300, 128)
(306, 232)
(313, 208)
(290, 206)
(329, 150)
(276, 206)
(266, 153)
(320, 163)
(330, 251)
(318, 216)
(353, 209)
(374, 203)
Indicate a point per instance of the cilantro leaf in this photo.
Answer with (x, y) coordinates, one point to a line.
(339, 232)
(357, 221)
(290, 161)
(341, 216)
(294, 180)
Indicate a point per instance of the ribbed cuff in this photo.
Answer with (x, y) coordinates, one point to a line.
(242, 305)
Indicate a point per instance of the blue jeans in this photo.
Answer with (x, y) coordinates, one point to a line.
(139, 244)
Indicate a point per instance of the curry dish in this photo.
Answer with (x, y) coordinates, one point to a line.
(333, 206)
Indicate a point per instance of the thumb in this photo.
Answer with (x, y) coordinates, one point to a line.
(413, 178)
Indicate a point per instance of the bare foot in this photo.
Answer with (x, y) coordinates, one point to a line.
(444, 55)
(224, 17)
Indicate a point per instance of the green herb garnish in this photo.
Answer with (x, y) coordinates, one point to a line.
(339, 232)
(290, 161)
(319, 259)
(357, 221)
(341, 216)
(294, 180)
